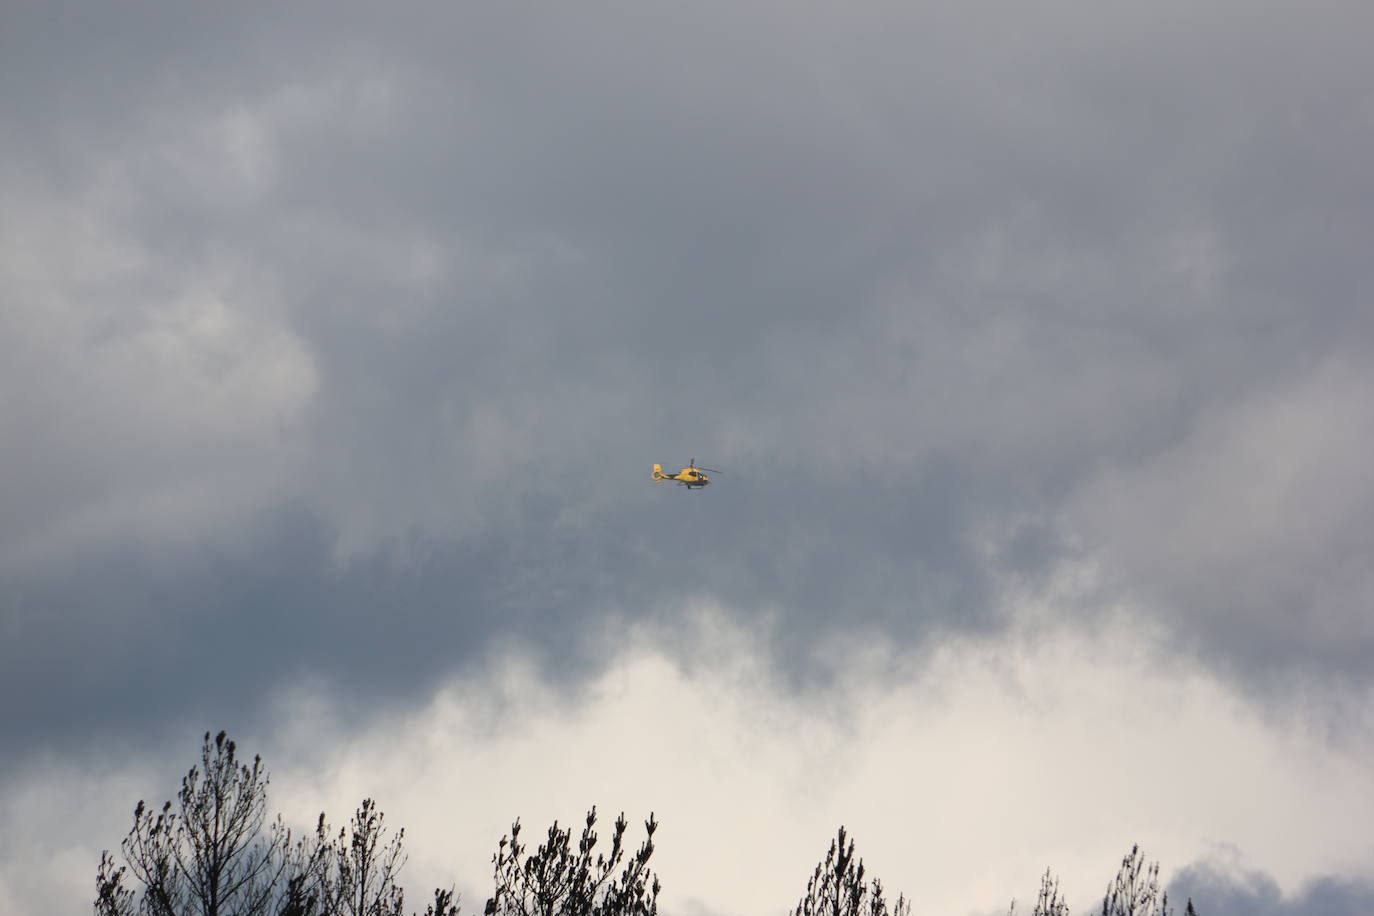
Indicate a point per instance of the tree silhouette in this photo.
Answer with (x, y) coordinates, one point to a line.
(1049, 903)
(1135, 891)
(443, 903)
(558, 880)
(354, 873)
(213, 852)
(210, 853)
(837, 887)
(112, 898)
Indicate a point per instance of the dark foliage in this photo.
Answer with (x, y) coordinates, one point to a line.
(837, 888)
(353, 873)
(213, 852)
(1135, 891)
(1049, 903)
(558, 880)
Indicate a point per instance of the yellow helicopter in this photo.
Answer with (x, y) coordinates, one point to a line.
(689, 477)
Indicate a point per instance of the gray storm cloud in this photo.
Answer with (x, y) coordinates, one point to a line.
(1229, 890)
(340, 344)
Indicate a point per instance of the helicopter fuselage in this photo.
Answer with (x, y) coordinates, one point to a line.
(690, 477)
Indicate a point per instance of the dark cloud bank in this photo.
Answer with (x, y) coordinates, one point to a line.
(934, 287)
(1223, 892)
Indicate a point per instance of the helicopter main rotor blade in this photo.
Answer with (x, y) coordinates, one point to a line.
(710, 470)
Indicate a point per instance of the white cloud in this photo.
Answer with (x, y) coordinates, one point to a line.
(962, 778)
(55, 819)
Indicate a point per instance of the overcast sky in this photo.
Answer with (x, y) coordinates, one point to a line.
(1034, 342)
